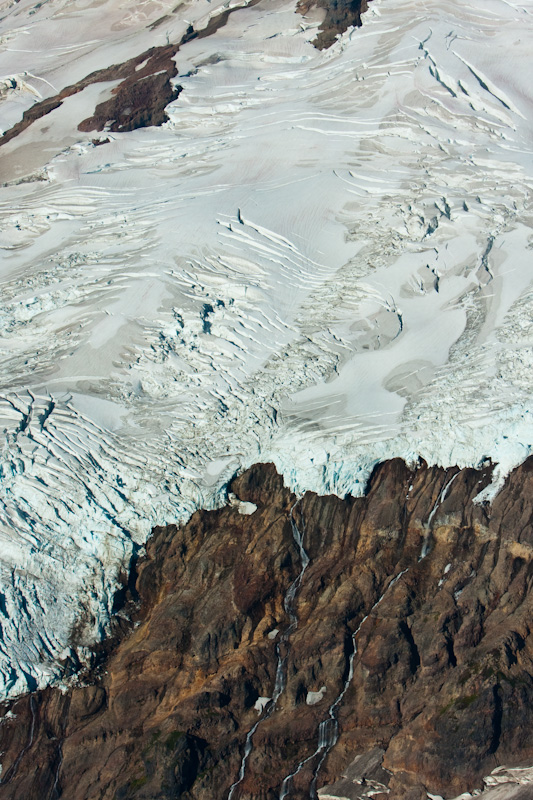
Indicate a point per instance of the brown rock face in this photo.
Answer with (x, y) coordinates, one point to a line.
(141, 97)
(340, 15)
(146, 90)
(400, 656)
(139, 100)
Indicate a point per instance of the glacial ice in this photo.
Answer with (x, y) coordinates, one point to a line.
(323, 259)
(501, 784)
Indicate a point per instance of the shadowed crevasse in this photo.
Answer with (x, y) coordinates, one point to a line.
(422, 664)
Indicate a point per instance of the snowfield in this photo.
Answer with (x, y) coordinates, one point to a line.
(322, 259)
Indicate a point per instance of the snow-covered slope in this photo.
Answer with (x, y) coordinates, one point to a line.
(323, 259)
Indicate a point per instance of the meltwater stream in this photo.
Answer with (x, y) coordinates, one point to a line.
(426, 543)
(280, 679)
(328, 730)
(10, 774)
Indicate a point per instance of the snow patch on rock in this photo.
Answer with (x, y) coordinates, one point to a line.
(243, 506)
(315, 697)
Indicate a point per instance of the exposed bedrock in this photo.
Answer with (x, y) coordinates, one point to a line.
(141, 97)
(340, 15)
(139, 100)
(146, 87)
(407, 635)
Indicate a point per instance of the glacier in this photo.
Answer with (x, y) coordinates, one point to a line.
(323, 259)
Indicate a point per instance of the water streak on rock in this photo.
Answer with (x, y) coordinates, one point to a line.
(281, 656)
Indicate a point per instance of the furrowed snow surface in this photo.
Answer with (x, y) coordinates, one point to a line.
(323, 259)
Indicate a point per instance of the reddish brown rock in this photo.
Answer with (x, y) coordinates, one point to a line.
(442, 684)
(146, 90)
(141, 97)
(340, 15)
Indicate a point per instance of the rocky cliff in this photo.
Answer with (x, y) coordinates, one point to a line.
(378, 646)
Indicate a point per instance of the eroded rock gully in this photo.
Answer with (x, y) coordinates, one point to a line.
(441, 691)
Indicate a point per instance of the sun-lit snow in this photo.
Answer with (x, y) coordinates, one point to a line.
(323, 259)
(501, 784)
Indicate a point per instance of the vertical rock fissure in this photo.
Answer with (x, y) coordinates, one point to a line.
(280, 677)
(10, 774)
(496, 720)
(414, 655)
(441, 497)
(56, 791)
(328, 729)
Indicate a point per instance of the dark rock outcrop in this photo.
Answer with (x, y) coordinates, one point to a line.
(139, 100)
(340, 15)
(146, 90)
(141, 97)
(409, 630)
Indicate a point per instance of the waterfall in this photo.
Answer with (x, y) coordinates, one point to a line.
(328, 729)
(280, 679)
(426, 544)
